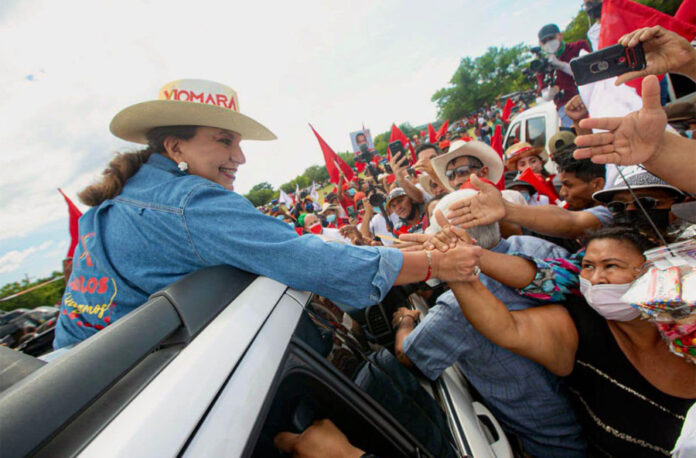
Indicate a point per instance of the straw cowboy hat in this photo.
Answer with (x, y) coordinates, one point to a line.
(479, 150)
(188, 102)
(520, 150)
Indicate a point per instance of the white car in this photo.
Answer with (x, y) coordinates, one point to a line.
(221, 361)
(535, 126)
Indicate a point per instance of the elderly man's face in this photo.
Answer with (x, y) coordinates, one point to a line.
(462, 170)
(402, 206)
(310, 220)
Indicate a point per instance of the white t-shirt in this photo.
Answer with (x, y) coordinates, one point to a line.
(378, 227)
(427, 197)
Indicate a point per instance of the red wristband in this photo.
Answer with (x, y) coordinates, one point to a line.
(430, 265)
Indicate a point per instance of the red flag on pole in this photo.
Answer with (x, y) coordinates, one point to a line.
(507, 109)
(334, 164)
(74, 214)
(443, 129)
(620, 17)
(396, 134)
(432, 135)
(497, 145)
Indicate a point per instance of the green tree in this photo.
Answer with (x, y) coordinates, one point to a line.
(261, 194)
(483, 79)
(49, 294)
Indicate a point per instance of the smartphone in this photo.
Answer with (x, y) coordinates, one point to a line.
(396, 147)
(607, 63)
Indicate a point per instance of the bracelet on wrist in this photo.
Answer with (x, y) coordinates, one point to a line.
(430, 265)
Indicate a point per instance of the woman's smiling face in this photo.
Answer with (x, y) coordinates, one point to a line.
(213, 154)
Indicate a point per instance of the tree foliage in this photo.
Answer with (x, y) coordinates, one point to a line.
(261, 194)
(50, 294)
(482, 79)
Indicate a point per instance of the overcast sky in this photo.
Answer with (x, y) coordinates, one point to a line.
(66, 67)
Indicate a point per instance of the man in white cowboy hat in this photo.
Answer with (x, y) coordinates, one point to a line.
(454, 169)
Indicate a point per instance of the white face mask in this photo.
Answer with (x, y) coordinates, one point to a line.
(606, 300)
(552, 46)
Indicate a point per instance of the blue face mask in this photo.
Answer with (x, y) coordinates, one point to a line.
(351, 192)
(526, 195)
(331, 219)
(377, 210)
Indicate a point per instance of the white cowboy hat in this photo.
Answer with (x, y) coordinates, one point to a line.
(188, 102)
(479, 150)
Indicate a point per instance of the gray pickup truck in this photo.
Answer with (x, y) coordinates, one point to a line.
(218, 363)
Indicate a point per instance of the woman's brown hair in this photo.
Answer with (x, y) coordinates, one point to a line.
(124, 165)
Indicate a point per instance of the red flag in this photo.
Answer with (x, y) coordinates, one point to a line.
(75, 214)
(507, 109)
(396, 134)
(497, 145)
(443, 129)
(620, 17)
(686, 12)
(541, 186)
(333, 161)
(360, 166)
(432, 135)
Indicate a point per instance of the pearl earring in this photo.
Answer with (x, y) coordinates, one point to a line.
(183, 166)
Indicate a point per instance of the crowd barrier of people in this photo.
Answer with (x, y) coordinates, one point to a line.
(533, 253)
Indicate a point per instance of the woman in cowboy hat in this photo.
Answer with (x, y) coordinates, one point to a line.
(169, 209)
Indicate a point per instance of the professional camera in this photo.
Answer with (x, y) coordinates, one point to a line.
(365, 154)
(540, 64)
(376, 198)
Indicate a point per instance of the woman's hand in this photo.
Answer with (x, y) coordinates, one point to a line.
(665, 51)
(448, 237)
(459, 264)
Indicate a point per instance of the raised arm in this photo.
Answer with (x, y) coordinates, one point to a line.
(640, 138)
(488, 206)
(546, 334)
(402, 177)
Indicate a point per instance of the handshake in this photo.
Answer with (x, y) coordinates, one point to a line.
(454, 254)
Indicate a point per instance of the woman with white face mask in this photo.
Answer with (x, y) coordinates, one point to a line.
(630, 393)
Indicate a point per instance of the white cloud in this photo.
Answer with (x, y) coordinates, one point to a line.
(12, 260)
(69, 66)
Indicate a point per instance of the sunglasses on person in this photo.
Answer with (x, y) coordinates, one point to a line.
(647, 203)
(463, 171)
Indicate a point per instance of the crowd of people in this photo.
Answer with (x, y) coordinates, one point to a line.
(533, 251)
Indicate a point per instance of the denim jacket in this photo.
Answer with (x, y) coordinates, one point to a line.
(167, 223)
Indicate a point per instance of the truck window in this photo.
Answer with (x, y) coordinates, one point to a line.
(350, 360)
(536, 131)
(514, 136)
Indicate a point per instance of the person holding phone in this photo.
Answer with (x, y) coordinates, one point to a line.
(399, 166)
